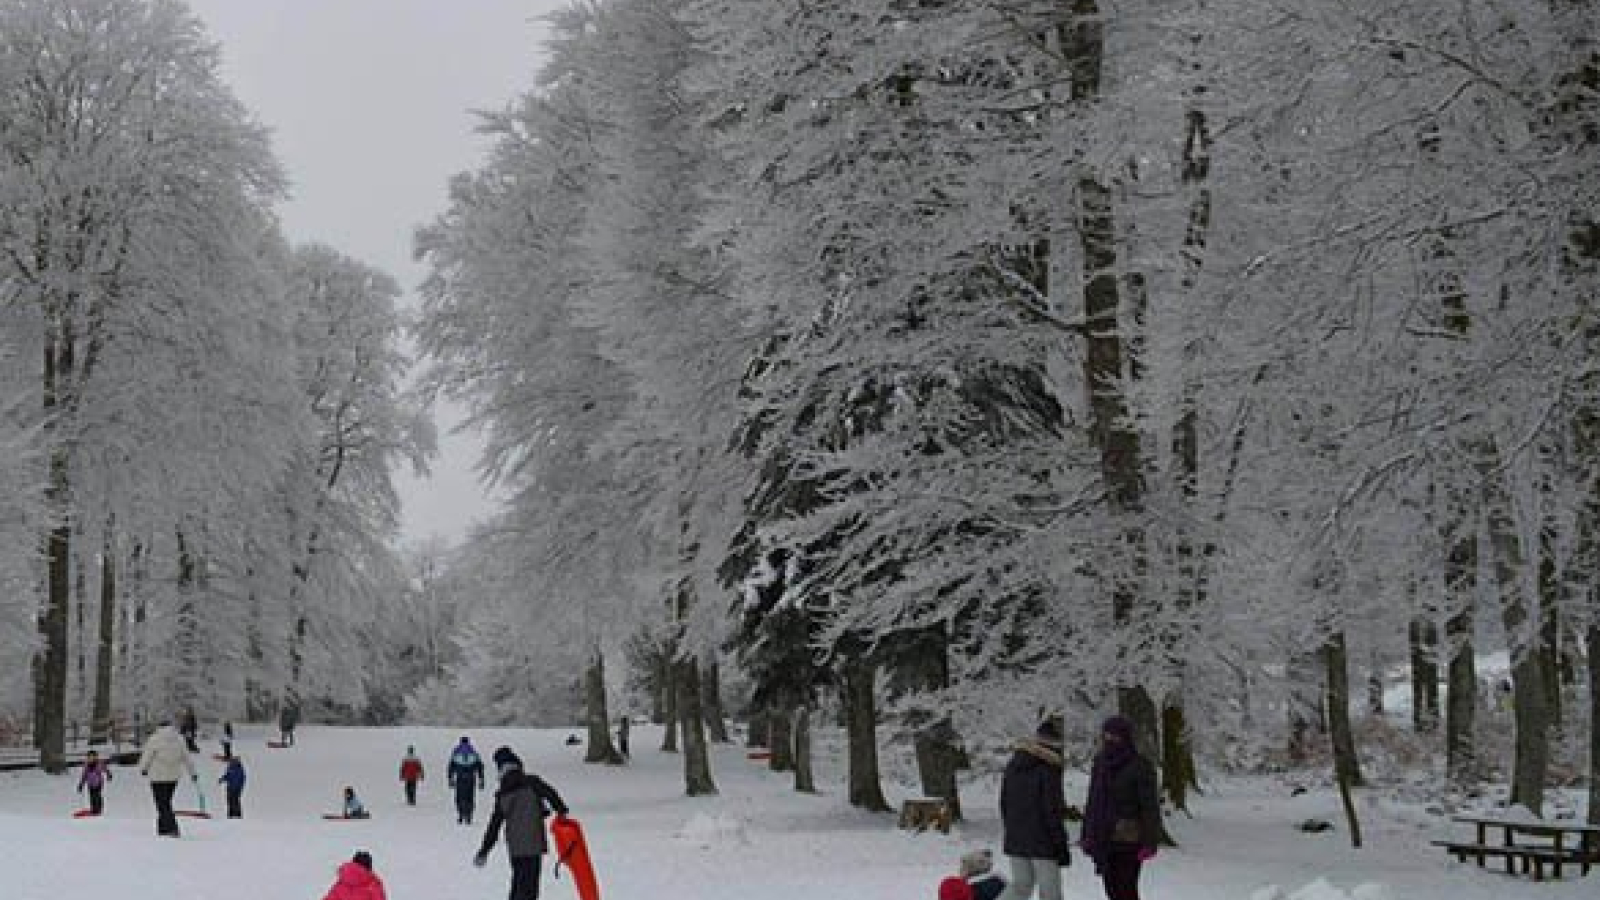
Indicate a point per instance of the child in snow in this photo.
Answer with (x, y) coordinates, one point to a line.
(352, 805)
(356, 880)
(410, 774)
(977, 868)
(233, 777)
(95, 775)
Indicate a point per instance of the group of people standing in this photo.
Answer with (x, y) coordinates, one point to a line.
(1121, 819)
(463, 775)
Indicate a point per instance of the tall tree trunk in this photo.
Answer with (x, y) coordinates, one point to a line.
(938, 759)
(50, 665)
(600, 749)
(1530, 710)
(711, 702)
(781, 743)
(660, 689)
(1594, 708)
(105, 660)
(1461, 699)
(80, 629)
(1345, 762)
(1178, 775)
(1423, 636)
(670, 704)
(760, 733)
(864, 786)
(691, 721)
(803, 781)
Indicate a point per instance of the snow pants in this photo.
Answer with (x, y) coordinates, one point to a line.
(166, 821)
(411, 793)
(524, 878)
(235, 804)
(1120, 872)
(465, 801)
(1027, 873)
(97, 801)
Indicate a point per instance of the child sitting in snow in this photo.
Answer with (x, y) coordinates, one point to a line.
(977, 868)
(352, 805)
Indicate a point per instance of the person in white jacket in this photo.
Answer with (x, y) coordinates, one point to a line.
(165, 759)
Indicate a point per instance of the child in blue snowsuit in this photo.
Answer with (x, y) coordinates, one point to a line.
(233, 778)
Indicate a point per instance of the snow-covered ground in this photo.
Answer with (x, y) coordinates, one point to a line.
(757, 839)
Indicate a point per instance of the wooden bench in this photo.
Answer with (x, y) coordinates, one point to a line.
(919, 815)
(1521, 859)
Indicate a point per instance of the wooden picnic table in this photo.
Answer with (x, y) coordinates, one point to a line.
(1550, 849)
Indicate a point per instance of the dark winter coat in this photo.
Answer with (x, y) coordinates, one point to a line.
(233, 777)
(521, 804)
(1032, 804)
(1132, 792)
(466, 766)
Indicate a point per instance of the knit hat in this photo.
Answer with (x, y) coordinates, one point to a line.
(363, 859)
(955, 888)
(505, 759)
(977, 862)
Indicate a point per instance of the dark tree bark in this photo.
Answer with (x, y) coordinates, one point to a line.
(600, 748)
(1530, 710)
(105, 659)
(691, 720)
(803, 780)
(760, 733)
(1594, 710)
(660, 690)
(711, 702)
(1178, 775)
(1461, 698)
(1346, 764)
(780, 738)
(669, 705)
(938, 759)
(864, 785)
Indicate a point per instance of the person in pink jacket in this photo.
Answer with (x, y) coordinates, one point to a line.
(357, 881)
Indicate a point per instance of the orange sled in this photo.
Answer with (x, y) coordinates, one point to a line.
(572, 851)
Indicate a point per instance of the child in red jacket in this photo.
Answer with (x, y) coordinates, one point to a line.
(410, 774)
(357, 881)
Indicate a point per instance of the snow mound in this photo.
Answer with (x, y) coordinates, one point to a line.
(710, 831)
(1322, 890)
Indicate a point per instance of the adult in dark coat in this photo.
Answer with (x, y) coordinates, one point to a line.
(521, 804)
(1032, 807)
(465, 774)
(233, 779)
(1122, 816)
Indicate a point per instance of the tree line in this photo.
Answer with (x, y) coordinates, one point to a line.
(968, 360)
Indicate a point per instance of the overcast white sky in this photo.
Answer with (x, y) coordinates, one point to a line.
(368, 102)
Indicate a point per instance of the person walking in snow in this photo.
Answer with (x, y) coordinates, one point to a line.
(164, 761)
(233, 779)
(356, 880)
(95, 775)
(288, 718)
(1032, 805)
(411, 774)
(189, 727)
(1122, 816)
(521, 803)
(465, 775)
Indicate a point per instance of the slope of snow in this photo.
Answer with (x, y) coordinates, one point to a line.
(757, 839)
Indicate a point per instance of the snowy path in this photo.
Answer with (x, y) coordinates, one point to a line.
(756, 840)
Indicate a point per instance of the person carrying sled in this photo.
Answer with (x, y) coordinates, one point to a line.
(1122, 816)
(466, 767)
(356, 880)
(411, 774)
(95, 775)
(233, 780)
(521, 803)
(1032, 804)
(164, 761)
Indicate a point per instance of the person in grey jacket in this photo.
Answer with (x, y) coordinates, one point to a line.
(521, 803)
(165, 759)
